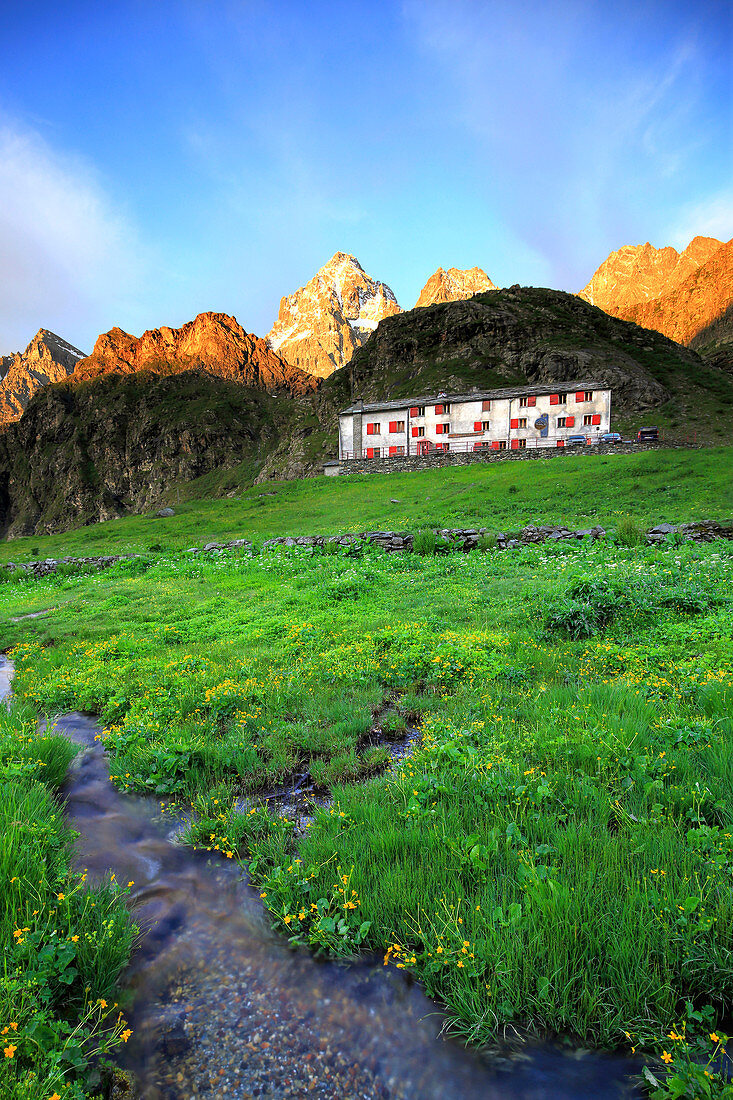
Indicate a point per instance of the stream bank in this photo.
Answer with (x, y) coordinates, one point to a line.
(221, 1007)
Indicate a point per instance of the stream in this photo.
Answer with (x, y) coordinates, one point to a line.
(222, 1007)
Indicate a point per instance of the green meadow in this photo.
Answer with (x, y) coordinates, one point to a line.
(555, 855)
(64, 943)
(583, 489)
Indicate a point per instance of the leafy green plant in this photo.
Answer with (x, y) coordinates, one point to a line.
(629, 531)
(424, 542)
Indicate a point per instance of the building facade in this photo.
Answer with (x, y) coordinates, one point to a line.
(525, 416)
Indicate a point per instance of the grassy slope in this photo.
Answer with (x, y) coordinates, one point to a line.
(575, 767)
(582, 489)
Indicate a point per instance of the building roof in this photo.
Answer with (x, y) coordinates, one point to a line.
(540, 389)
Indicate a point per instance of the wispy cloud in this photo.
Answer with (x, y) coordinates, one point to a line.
(68, 256)
(589, 118)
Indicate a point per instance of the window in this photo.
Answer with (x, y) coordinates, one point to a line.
(486, 425)
(562, 399)
(498, 445)
(523, 402)
(373, 452)
(397, 425)
(417, 432)
(521, 443)
(442, 429)
(446, 409)
(397, 450)
(527, 402)
(588, 395)
(562, 421)
(373, 429)
(523, 422)
(417, 410)
(587, 421)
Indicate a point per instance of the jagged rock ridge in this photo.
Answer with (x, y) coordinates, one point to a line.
(453, 285)
(212, 342)
(321, 325)
(640, 272)
(47, 358)
(698, 310)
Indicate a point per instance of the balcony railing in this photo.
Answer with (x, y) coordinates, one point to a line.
(420, 447)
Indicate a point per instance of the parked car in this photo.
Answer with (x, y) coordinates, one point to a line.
(647, 435)
(611, 437)
(576, 441)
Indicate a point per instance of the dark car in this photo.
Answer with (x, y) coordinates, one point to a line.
(647, 435)
(576, 441)
(611, 437)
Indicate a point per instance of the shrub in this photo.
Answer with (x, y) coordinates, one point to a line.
(424, 542)
(629, 532)
(486, 542)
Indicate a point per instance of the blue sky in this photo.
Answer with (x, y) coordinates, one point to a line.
(162, 158)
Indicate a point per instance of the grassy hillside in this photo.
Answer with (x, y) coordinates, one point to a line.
(664, 485)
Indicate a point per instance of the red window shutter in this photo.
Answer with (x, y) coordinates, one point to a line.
(438, 410)
(495, 445)
(580, 395)
(569, 421)
(370, 452)
(515, 444)
(531, 401)
(370, 429)
(415, 432)
(477, 426)
(554, 398)
(596, 419)
(485, 406)
(415, 411)
(561, 442)
(514, 423)
(393, 425)
(393, 450)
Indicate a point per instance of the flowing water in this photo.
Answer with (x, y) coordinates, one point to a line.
(221, 1007)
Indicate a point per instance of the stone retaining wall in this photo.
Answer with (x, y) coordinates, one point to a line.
(468, 538)
(400, 464)
(446, 539)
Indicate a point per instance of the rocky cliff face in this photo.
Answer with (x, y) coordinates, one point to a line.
(454, 285)
(320, 326)
(640, 273)
(47, 358)
(212, 342)
(695, 311)
(90, 451)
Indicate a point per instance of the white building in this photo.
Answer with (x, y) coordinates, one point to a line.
(524, 416)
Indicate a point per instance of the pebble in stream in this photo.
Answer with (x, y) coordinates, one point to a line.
(221, 1007)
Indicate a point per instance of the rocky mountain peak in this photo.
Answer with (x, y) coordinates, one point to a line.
(639, 273)
(47, 358)
(213, 342)
(321, 325)
(454, 285)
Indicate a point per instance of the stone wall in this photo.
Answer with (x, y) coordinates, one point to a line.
(400, 464)
(466, 539)
(463, 539)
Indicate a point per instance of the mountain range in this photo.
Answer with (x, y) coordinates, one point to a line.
(111, 432)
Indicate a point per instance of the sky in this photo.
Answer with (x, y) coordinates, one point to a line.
(166, 157)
